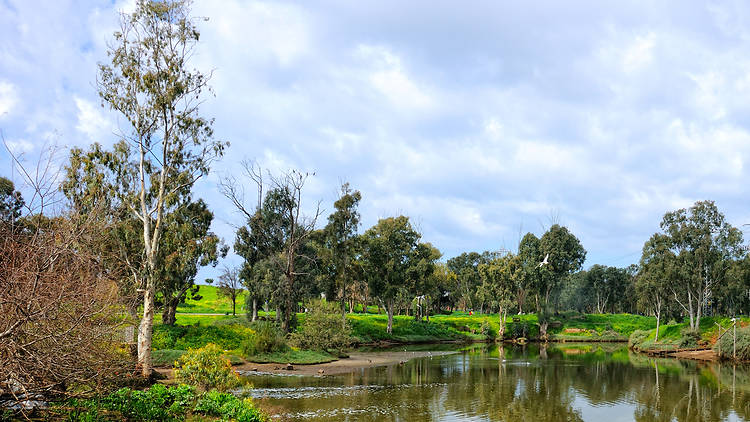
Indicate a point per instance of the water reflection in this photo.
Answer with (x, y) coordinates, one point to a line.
(569, 382)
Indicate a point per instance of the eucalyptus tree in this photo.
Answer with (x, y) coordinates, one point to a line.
(148, 82)
(276, 231)
(704, 246)
(422, 281)
(388, 250)
(500, 279)
(339, 247)
(605, 286)
(530, 255)
(657, 269)
(565, 255)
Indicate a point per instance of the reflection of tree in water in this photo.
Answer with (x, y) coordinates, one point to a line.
(512, 384)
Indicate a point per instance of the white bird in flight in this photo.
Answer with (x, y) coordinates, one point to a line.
(545, 262)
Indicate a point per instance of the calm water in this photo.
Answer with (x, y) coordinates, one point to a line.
(581, 382)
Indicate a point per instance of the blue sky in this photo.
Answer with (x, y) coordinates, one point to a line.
(479, 120)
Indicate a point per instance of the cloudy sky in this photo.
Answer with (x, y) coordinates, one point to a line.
(479, 120)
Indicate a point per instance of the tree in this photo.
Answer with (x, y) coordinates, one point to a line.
(230, 286)
(149, 84)
(603, 284)
(421, 278)
(388, 251)
(11, 201)
(565, 256)
(465, 267)
(704, 247)
(530, 255)
(657, 268)
(499, 279)
(340, 246)
(187, 245)
(278, 230)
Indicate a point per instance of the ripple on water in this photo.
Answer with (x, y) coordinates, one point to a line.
(327, 392)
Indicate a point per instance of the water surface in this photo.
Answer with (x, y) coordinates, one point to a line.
(566, 382)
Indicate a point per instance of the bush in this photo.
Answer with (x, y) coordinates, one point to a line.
(323, 328)
(267, 339)
(689, 338)
(486, 330)
(519, 329)
(206, 368)
(637, 338)
(158, 403)
(227, 406)
(724, 347)
(178, 337)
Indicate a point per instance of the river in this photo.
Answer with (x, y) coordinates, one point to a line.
(561, 382)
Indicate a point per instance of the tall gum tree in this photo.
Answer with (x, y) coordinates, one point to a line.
(704, 247)
(148, 82)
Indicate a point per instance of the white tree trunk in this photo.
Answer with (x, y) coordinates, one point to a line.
(145, 331)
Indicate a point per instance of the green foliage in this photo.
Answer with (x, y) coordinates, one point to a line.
(689, 338)
(637, 338)
(159, 403)
(267, 339)
(725, 346)
(228, 337)
(228, 406)
(206, 368)
(323, 328)
(487, 330)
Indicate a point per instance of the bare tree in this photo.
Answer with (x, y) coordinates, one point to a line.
(230, 286)
(58, 313)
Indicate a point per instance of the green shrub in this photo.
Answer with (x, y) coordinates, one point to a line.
(267, 339)
(158, 403)
(180, 337)
(637, 338)
(227, 406)
(689, 338)
(520, 329)
(486, 330)
(206, 368)
(323, 328)
(725, 346)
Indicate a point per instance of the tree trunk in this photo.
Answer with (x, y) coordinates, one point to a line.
(343, 314)
(234, 305)
(658, 318)
(389, 309)
(501, 331)
(255, 310)
(145, 331)
(168, 316)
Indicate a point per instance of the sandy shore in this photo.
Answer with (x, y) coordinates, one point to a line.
(356, 360)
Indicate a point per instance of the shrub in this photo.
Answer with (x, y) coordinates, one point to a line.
(206, 368)
(323, 328)
(486, 330)
(689, 337)
(267, 339)
(227, 406)
(637, 338)
(724, 347)
(519, 329)
(158, 403)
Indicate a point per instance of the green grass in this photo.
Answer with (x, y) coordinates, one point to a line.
(167, 357)
(181, 337)
(296, 357)
(212, 302)
(670, 335)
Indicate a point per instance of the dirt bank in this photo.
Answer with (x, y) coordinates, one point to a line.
(356, 360)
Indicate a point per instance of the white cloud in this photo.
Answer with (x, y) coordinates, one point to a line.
(20, 146)
(388, 76)
(8, 98)
(92, 121)
(639, 53)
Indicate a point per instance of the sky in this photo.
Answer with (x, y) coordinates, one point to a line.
(481, 121)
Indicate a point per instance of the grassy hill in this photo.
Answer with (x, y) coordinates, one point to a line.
(211, 302)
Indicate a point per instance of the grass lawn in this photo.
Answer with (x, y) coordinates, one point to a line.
(212, 302)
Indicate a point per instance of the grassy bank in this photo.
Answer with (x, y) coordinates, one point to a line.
(212, 302)
(675, 336)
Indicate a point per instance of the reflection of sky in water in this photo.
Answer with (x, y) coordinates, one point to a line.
(612, 412)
